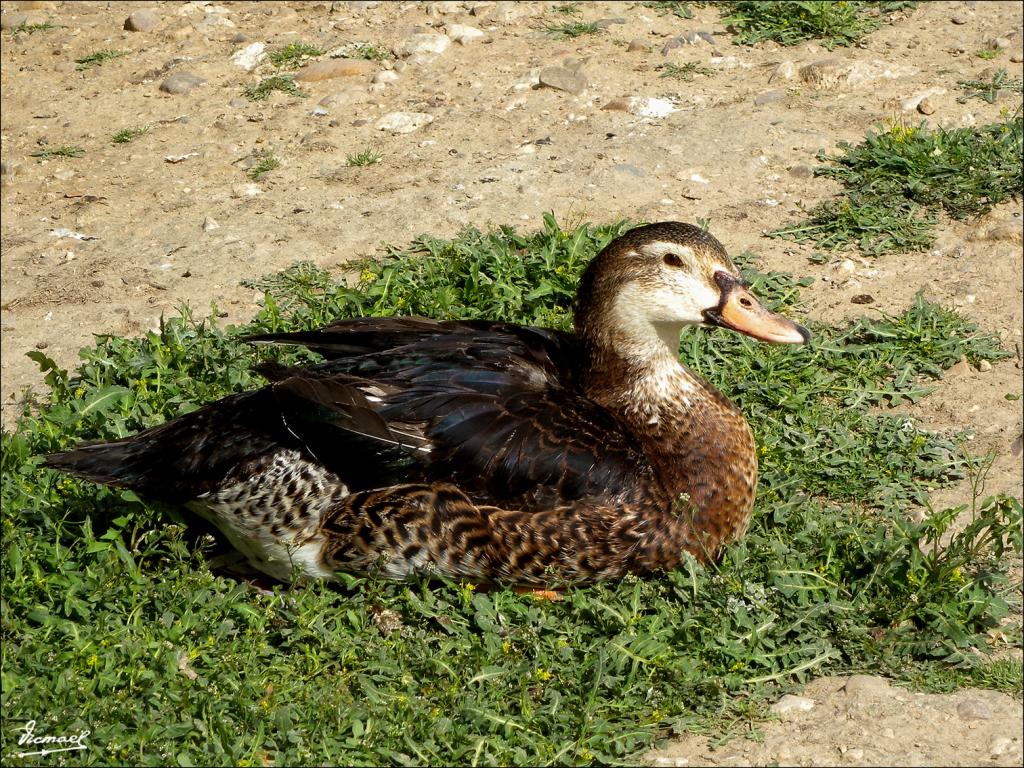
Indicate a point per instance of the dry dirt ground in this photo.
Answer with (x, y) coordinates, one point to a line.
(172, 217)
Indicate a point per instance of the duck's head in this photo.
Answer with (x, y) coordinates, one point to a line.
(655, 279)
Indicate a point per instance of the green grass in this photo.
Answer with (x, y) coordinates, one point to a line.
(571, 9)
(99, 58)
(571, 29)
(31, 28)
(988, 90)
(364, 158)
(284, 83)
(682, 10)
(293, 54)
(65, 150)
(265, 163)
(685, 71)
(126, 135)
(111, 619)
(368, 51)
(790, 23)
(899, 179)
(988, 54)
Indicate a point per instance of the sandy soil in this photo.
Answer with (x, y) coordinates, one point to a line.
(171, 217)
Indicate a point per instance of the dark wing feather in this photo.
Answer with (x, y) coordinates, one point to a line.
(496, 406)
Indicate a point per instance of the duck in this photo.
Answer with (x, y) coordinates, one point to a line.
(480, 451)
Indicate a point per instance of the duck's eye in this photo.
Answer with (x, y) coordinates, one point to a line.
(673, 260)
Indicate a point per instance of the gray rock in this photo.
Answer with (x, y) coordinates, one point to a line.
(428, 43)
(974, 709)
(13, 20)
(1017, 57)
(239, 37)
(629, 169)
(181, 83)
(675, 42)
(563, 79)
(867, 686)
(958, 20)
(801, 172)
(638, 44)
(769, 97)
(605, 23)
(143, 20)
(404, 122)
(791, 705)
(925, 107)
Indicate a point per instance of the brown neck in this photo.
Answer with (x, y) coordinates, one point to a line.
(698, 442)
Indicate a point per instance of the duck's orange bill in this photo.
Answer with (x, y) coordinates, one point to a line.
(740, 310)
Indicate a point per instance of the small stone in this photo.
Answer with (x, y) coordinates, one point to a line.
(959, 20)
(605, 23)
(675, 42)
(463, 34)
(250, 57)
(801, 171)
(239, 37)
(925, 107)
(960, 368)
(999, 43)
(984, 366)
(328, 70)
(428, 43)
(638, 44)
(64, 175)
(8, 168)
(866, 686)
(143, 20)
(14, 20)
(768, 97)
(974, 709)
(447, 7)
(862, 298)
(353, 95)
(481, 9)
(246, 190)
(238, 103)
(643, 106)
(385, 76)
(1017, 57)
(404, 122)
(563, 79)
(1000, 745)
(628, 168)
(621, 104)
(785, 71)
(181, 83)
(790, 704)
(210, 224)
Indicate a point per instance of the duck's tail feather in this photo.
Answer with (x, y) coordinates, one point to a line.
(183, 458)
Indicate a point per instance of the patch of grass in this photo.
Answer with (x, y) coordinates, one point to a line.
(366, 157)
(31, 28)
(126, 135)
(988, 90)
(988, 54)
(265, 163)
(685, 71)
(65, 150)
(112, 620)
(293, 54)
(571, 29)
(682, 10)
(368, 51)
(99, 58)
(789, 23)
(899, 179)
(571, 9)
(284, 83)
